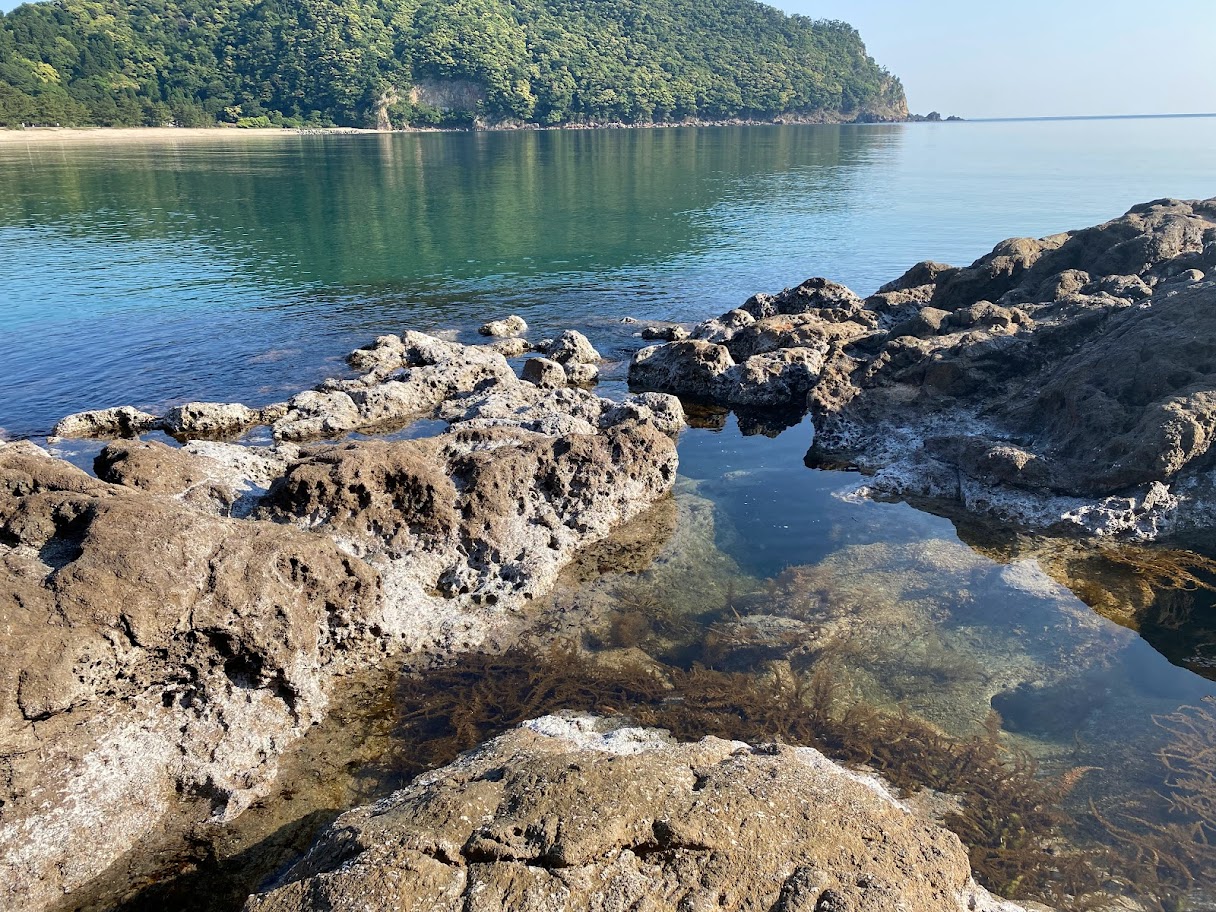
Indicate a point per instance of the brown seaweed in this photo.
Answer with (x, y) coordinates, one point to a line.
(1009, 815)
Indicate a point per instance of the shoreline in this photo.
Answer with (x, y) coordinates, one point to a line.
(122, 135)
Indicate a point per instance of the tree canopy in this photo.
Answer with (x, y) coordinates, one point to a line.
(368, 62)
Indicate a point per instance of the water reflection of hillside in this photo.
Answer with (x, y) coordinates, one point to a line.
(386, 211)
(169, 271)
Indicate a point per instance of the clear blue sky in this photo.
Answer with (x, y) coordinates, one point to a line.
(1036, 57)
(1039, 57)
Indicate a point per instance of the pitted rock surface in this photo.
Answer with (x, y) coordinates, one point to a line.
(572, 813)
(1066, 382)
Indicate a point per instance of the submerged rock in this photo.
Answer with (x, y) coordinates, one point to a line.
(576, 813)
(1063, 382)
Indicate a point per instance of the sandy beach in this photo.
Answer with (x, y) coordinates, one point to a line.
(123, 135)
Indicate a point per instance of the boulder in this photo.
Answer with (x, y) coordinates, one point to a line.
(110, 423)
(208, 420)
(510, 326)
(544, 373)
(154, 654)
(575, 813)
(667, 332)
(572, 347)
(387, 352)
(511, 348)
(482, 516)
(691, 368)
(583, 374)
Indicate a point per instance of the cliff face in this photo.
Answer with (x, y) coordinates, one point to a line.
(263, 62)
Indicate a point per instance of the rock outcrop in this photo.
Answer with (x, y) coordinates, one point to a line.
(1065, 382)
(575, 813)
(510, 326)
(176, 622)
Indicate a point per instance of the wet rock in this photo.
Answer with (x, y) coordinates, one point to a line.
(155, 652)
(544, 373)
(572, 347)
(591, 816)
(110, 423)
(667, 332)
(583, 374)
(511, 326)
(1072, 378)
(208, 420)
(511, 348)
(691, 368)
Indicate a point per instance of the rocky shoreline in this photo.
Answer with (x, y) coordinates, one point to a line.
(177, 620)
(1062, 383)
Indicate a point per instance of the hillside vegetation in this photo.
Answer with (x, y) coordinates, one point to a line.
(453, 62)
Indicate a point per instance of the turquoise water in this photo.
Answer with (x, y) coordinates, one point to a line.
(161, 271)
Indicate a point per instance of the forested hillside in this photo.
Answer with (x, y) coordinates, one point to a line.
(455, 62)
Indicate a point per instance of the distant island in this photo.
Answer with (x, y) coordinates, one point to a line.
(432, 63)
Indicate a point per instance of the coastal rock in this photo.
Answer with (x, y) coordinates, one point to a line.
(667, 332)
(1060, 382)
(511, 326)
(577, 813)
(583, 374)
(691, 368)
(387, 352)
(511, 348)
(572, 347)
(155, 652)
(167, 653)
(481, 515)
(208, 420)
(110, 423)
(544, 373)
(426, 372)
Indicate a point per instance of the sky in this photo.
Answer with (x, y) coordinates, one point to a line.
(1039, 58)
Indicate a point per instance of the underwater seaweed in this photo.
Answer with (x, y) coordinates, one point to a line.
(1162, 853)
(1008, 818)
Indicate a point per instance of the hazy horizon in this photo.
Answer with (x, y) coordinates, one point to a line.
(1053, 59)
(1050, 59)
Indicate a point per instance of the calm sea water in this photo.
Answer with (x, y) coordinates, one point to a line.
(156, 272)
(244, 270)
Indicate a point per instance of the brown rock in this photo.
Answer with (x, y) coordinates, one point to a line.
(573, 813)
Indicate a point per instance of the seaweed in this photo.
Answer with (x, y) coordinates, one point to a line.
(1166, 857)
(1008, 818)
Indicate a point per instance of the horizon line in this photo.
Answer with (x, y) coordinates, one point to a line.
(1088, 117)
